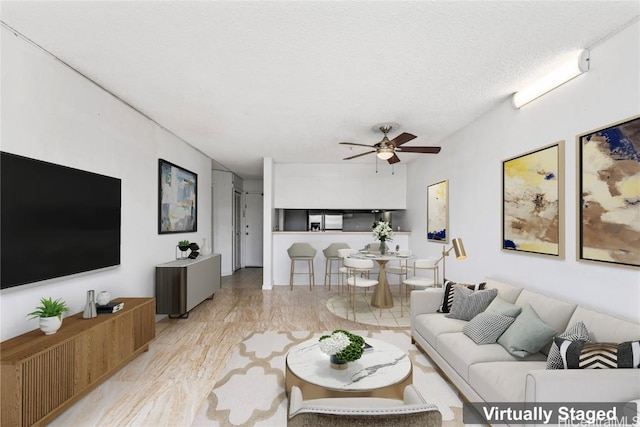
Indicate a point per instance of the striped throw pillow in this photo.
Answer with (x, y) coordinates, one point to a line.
(581, 355)
(468, 304)
(447, 300)
(576, 332)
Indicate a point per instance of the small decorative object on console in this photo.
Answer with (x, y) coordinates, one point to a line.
(103, 298)
(111, 307)
(90, 308)
(342, 347)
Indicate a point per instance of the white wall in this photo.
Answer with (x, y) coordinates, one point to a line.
(51, 113)
(471, 160)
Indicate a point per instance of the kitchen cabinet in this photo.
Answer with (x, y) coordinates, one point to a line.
(339, 186)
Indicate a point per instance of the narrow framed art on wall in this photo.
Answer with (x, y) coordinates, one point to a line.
(438, 212)
(533, 202)
(177, 199)
(609, 194)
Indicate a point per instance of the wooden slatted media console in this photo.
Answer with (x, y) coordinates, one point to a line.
(42, 375)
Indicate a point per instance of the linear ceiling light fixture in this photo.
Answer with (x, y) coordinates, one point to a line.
(578, 64)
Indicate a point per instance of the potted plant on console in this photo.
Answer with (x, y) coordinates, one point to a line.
(50, 314)
(183, 246)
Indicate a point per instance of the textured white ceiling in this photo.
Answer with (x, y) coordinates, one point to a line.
(289, 80)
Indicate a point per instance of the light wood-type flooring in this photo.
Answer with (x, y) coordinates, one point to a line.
(167, 385)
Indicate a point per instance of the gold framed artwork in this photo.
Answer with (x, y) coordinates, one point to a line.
(609, 194)
(438, 212)
(533, 202)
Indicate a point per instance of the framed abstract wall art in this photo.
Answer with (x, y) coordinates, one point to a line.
(609, 194)
(533, 202)
(438, 212)
(177, 199)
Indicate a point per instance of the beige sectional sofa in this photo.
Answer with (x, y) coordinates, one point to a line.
(489, 373)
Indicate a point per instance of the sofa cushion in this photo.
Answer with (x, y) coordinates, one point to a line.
(605, 327)
(467, 303)
(461, 352)
(553, 312)
(447, 299)
(431, 325)
(500, 306)
(581, 355)
(502, 381)
(509, 293)
(486, 327)
(575, 332)
(527, 335)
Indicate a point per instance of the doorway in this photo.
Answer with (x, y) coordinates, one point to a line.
(253, 229)
(237, 227)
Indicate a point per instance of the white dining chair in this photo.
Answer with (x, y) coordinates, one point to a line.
(344, 253)
(355, 268)
(401, 269)
(418, 281)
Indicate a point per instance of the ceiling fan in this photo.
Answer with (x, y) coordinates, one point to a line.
(387, 148)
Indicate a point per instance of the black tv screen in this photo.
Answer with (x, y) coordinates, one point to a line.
(55, 220)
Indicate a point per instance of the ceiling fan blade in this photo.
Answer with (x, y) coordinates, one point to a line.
(353, 143)
(402, 138)
(358, 155)
(427, 150)
(394, 159)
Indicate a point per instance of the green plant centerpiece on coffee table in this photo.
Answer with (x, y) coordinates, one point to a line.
(50, 314)
(342, 347)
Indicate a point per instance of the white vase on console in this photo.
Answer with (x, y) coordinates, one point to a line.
(206, 247)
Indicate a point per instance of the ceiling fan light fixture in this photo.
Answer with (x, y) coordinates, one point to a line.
(385, 153)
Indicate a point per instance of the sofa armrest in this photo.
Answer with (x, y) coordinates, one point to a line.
(582, 385)
(426, 301)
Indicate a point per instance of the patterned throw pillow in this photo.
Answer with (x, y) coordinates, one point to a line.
(447, 300)
(486, 327)
(467, 304)
(577, 332)
(581, 355)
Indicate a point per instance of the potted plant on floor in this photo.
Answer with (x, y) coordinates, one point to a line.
(50, 314)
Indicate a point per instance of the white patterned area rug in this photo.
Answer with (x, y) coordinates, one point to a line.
(398, 315)
(250, 389)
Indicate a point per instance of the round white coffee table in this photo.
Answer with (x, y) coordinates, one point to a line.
(383, 371)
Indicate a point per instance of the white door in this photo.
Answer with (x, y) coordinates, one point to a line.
(253, 230)
(237, 230)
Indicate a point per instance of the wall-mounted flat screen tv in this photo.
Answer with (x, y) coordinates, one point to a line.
(55, 220)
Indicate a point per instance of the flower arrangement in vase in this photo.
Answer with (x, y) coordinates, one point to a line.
(383, 232)
(342, 347)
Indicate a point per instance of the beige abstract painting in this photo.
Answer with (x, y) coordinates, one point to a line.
(531, 208)
(609, 189)
(438, 212)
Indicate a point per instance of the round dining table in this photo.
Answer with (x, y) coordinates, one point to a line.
(382, 297)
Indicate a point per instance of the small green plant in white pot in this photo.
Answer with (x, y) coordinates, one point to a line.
(50, 314)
